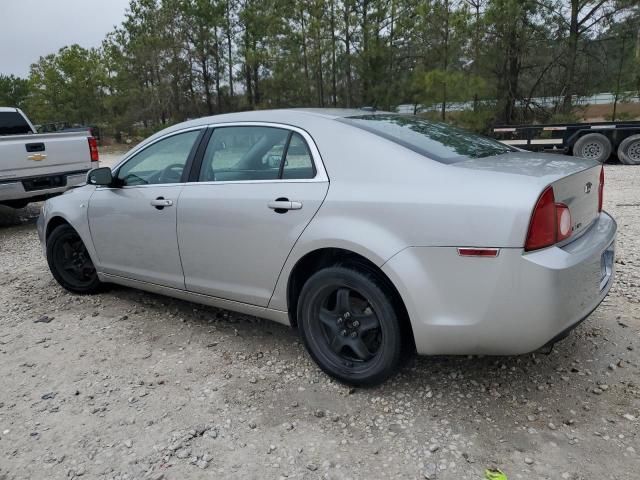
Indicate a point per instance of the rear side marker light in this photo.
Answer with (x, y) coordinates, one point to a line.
(478, 252)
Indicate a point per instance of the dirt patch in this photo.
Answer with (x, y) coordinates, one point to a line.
(129, 385)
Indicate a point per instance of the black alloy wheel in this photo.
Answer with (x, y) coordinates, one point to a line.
(69, 261)
(349, 325)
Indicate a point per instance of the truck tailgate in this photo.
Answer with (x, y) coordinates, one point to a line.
(23, 156)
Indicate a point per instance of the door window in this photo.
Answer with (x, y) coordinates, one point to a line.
(162, 162)
(255, 153)
(298, 162)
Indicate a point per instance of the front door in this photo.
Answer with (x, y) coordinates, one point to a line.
(258, 189)
(133, 224)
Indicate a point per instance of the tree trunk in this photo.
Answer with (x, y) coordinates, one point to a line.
(571, 55)
(347, 53)
(305, 58)
(364, 28)
(229, 44)
(391, 59)
(445, 63)
(256, 89)
(206, 80)
(334, 81)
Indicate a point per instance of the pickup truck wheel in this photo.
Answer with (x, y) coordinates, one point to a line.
(629, 150)
(349, 326)
(593, 146)
(69, 261)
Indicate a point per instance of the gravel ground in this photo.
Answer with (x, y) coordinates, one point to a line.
(129, 385)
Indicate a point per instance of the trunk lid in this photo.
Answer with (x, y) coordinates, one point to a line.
(574, 180)
(579, 192)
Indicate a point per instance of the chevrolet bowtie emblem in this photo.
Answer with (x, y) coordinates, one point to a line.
(37, 157)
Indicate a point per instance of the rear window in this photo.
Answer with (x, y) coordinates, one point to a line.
(12, 123)
(438, 141)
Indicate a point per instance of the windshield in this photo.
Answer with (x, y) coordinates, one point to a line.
(438, 141)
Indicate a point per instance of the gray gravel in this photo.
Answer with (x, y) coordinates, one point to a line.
(129, 385)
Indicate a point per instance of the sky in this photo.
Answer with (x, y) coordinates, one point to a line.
(34, 28)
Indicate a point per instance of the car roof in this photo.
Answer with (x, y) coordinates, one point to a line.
(8, 109)
(284, 115)
(305, 118)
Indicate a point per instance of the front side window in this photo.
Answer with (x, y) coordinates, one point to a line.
(438, 141)
(162, 162)
(246, 153)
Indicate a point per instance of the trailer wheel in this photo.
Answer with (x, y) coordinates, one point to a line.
(629, 150)
(593, 146)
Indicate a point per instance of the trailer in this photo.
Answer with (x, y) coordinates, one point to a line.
(596, 140)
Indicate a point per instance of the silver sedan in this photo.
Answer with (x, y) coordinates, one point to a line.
(375, 234)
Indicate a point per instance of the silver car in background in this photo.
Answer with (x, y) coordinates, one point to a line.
(375, 234)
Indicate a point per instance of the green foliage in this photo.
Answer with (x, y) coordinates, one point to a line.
(437, 86)
(477, 121)
(67, 86)
(171, 60)
(13, 91)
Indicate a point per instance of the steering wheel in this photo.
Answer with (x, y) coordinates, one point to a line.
(171, 173)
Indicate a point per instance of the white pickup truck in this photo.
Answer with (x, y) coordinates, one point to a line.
(35, 166)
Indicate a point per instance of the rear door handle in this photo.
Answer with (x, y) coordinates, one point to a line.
(161, 202)
(284, 204)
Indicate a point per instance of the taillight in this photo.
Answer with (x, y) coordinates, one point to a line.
(601, 190)
(93, 149)
(550, 222)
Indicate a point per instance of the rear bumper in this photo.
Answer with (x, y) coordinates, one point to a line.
(512, 304)
(40, 187)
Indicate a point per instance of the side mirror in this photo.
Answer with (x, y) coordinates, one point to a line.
(100, 176)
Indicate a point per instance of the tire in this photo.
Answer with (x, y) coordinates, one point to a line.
(349, 325)
(69, 261)
(593, 146)
(629, 150)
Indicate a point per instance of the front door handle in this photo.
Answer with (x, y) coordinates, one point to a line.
(282, 205)
(161, 202)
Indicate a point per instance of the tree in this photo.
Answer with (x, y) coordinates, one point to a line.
(14, 91)
(67, 86)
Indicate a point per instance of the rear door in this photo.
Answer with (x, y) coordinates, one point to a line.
(256, 189)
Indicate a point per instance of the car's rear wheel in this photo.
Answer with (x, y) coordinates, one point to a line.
(69, 261)
(349, 325)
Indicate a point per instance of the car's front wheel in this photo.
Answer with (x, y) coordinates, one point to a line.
(349, 325)
(69, 261)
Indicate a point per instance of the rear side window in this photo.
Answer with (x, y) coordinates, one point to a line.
(246, 153)
(438, 141)
(298, 163)
(12, 123)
